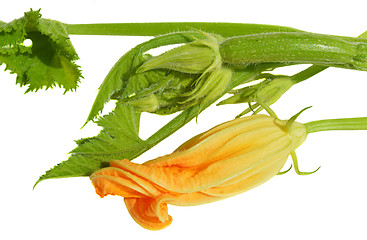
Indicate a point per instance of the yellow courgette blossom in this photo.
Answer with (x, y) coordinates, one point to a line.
(224, 161)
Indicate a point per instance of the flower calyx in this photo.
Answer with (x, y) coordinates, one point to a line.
(197, 57)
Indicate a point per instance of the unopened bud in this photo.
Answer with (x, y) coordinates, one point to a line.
(211, 86)
(195, 57)
(268, 91)
(181, 91)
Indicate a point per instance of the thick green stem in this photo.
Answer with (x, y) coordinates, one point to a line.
(159, 28)
(337, 124)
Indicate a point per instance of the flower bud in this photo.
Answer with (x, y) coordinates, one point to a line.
(195, 57)
(211, 86)
(182, 91)
(268, 91)
(224, 161)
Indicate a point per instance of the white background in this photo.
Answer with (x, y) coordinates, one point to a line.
(38, 129)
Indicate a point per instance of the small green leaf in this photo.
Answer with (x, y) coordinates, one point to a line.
(48, 61)
(113, 83)
(118, 139)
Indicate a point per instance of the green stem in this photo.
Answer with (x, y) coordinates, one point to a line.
(337, 124)
(159, 28)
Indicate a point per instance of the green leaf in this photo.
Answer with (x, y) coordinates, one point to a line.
(48, 61)
(115, 81)
(118, 139)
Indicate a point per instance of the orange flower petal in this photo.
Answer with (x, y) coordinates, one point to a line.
(149, 213)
